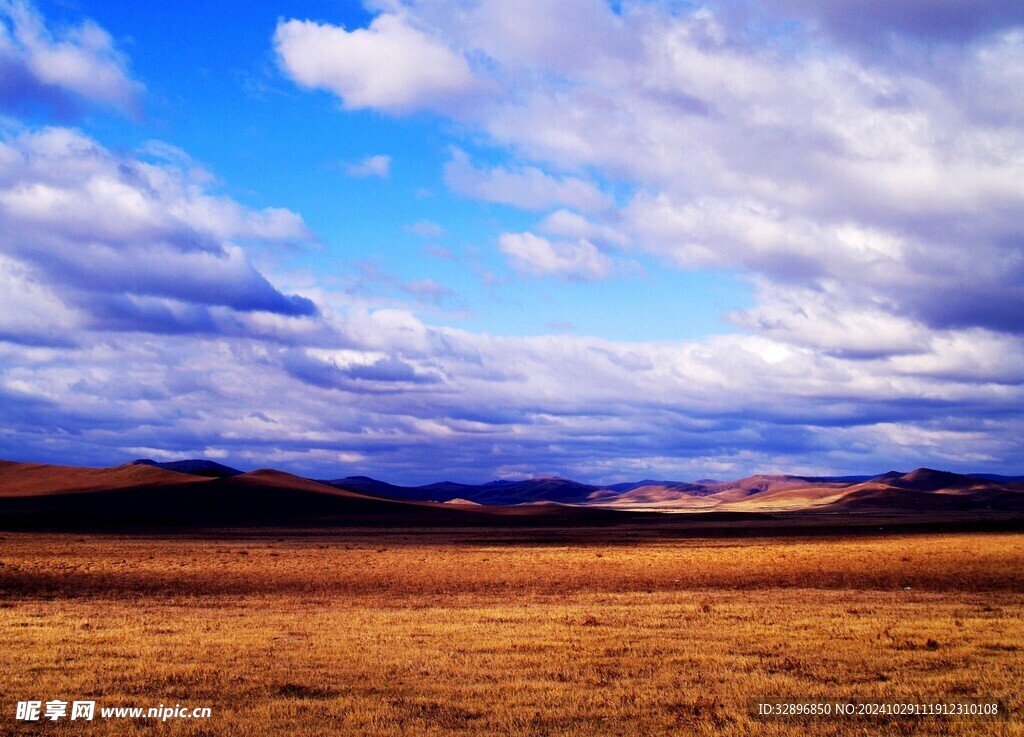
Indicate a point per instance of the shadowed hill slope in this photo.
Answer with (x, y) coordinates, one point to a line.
(144, 494)
(38, 479)
(194, 466)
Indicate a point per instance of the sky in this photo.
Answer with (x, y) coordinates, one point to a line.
(474, 239)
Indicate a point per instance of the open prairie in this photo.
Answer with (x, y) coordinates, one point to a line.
(476, 631)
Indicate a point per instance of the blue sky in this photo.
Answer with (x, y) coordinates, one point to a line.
(211, 79)
(420, 239)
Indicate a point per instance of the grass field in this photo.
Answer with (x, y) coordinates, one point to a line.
(508, 632)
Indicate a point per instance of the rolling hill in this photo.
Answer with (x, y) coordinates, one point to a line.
(207, 494)
(21, 480)
(147, 495)
(144, 495)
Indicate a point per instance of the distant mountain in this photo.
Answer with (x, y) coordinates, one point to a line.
(699, 484)
(996, 477)
(366, 485)
(546, 489)
(905, 500)
(923, 490)
(193, 466)
(759, 491)
(630, 485)
(928, 479)
(752, 485)
(495, 493)
(654, 494)
(442, 491)
(775, 493)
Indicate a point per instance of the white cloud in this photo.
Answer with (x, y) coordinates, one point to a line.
(132, 245)
(819, 162)
(540, 36)
(31, 310)
(378, 166)
(528, 187)
(532, 254)
(768, 239)
(407, 396)
(390, 66)
(568, 224)
(35, 62)
(833, 320)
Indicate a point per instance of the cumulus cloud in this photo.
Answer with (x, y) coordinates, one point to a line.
(821, 162)
(805, 167)
(390, 66)
(377, 165)
(120, 243)
(826, 319)
(59, 70)
(408, 399)
(532, 254)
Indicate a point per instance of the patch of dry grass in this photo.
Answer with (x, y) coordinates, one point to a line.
(486, 633)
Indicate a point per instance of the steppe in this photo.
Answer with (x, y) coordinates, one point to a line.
(622, 630)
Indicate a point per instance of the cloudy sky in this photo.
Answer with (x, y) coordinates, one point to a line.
(468, 239)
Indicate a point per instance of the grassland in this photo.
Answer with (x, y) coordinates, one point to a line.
(508, 632)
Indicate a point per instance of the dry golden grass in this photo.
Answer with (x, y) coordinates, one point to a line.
(507, 632)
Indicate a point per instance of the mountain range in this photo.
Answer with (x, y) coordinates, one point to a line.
(763, 492)
(205, 493)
